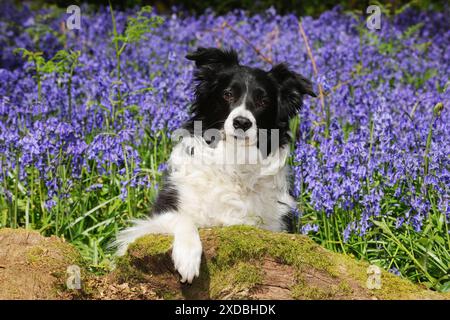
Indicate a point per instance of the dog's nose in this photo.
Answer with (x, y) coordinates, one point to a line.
(241, 123)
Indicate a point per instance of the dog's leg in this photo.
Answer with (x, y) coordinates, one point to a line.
(187, 247)
(187, 250)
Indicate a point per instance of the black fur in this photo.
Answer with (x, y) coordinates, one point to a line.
(218, 71)
(289, 222)
(273, 97)
(166, 200)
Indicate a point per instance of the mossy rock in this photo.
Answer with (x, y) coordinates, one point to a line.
(35, 267)
(242, 262)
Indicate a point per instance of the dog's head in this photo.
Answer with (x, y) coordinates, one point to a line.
(240, 101)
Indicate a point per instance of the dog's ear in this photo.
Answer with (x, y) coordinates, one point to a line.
(213, 58)
(292, 87)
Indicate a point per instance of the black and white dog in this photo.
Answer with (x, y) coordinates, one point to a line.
(229, 167)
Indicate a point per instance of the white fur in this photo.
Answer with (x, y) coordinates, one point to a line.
(227, 185)
(250, 134)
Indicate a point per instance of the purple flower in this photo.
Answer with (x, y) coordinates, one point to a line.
(357, 159)
(95, 186)
(395, 271)
(309, 228)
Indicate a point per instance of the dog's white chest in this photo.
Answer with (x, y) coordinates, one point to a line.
(214, 190)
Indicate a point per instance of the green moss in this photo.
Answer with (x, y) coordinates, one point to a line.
(168, 294)
(392, 286)
(70, 253)
(234, 266)
(245, 243)
(54, 254)
(127, 272)
(151, 245)
(345, 288)
(239, 243)
(303, 292)
(248, 274)
(240, 277)
(34, 254)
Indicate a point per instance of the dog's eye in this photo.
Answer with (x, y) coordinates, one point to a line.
(262, 102)
(228, 95)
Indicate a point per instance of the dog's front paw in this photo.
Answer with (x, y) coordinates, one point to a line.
(187, 255)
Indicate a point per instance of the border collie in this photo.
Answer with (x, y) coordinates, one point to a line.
(228, 166)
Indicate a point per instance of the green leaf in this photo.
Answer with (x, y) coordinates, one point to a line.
(412, 30)
(445, 287)
(137, 28)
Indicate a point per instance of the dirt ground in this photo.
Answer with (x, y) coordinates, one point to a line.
(33, 267)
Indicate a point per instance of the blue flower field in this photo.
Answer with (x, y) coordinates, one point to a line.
(86, 117)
